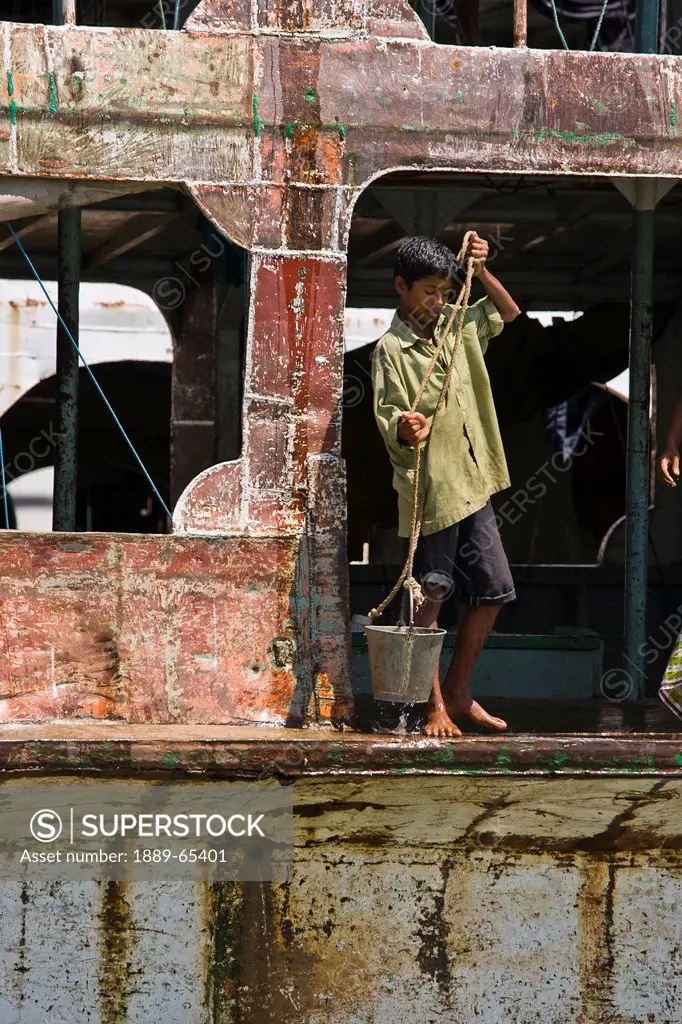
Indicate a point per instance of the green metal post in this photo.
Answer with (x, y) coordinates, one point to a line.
(66, 463)
(641, 302)
(69, 276)
(646, 26)
(637, 522)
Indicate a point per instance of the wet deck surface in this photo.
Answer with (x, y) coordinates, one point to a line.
(545, 738)
(524, 717)
(539, 717)
(590, 716)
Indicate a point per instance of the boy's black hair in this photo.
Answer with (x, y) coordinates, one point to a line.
(420, 256)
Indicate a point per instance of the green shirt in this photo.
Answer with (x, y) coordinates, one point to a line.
(465, 460)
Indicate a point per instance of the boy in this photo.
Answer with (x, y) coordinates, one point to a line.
(464, 464)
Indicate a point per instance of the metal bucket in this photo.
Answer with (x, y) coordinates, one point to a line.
(403, 661)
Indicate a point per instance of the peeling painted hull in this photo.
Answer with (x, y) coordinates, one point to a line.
(413, 900)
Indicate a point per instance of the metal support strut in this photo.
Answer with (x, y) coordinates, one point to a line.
(64, 12)
(637, 508)
(644, 194)
(69, 275)
(520, 23)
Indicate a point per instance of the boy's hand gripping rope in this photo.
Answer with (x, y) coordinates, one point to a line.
(406, 579)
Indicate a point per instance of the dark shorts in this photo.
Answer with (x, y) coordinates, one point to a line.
(467, 556)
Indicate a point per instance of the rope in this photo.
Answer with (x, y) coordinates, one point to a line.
(90, 373)
(598, 28)
(4, 483)
(406, 579)
(555, 14)
(562, 37)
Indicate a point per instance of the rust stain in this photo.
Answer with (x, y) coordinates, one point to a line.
(116, 949)
(223, 909)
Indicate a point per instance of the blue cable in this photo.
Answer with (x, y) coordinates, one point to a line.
(91, 374)
(4, 482)
(176, 17)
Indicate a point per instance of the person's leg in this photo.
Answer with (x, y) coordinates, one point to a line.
(472, 633)
(481, 560)
(434, 567)
(438, 721)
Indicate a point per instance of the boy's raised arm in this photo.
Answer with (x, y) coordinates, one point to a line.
(496, 292)
(499, 295)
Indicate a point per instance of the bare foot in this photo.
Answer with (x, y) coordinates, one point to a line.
(473, 710)
(438, 722)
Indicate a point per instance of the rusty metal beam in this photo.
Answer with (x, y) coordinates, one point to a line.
(477, 122)
(520, 23)
(64, 12)
(250, 751)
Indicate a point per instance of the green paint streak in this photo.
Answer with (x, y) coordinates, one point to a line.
(225, 912)
(558, 760)
(599, 107)
(290, 127)
(170, 760)
(343, 132)
(503, 761)
(516, 133)
(459, 97)
(310, 95)
(54, 103)
(586, 139)
(257, 123)
(380, 96)
(444, 755)
(678, 760)
(673, 118)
